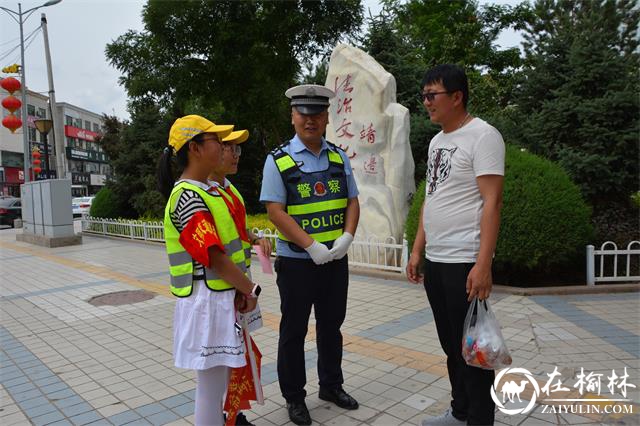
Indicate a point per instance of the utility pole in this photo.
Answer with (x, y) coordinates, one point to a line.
(58, 139)
(20, 17)
(25, 118)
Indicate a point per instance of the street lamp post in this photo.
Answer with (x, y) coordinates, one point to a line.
(20, 18)
(44, 126)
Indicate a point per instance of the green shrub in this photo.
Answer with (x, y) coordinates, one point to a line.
(545, 222)
(413, 217)
(105, 204)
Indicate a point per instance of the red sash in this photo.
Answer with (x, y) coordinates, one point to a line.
(238, 212)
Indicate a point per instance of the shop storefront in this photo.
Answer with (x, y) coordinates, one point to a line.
(80, 184)
(86, 161)
(10, 180)
(11, 173)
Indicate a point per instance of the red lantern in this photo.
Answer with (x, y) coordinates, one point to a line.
(12, 123)
(10, 84)
(37, 170)
(36, 162)
(36, 154)
(11, 103)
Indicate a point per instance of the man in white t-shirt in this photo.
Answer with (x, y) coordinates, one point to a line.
(458, 229)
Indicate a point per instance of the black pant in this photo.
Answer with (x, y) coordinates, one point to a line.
(303, 284)
(445, 284)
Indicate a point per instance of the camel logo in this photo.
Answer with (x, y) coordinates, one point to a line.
(512, 390)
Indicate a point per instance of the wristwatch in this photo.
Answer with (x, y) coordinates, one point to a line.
(255, 292)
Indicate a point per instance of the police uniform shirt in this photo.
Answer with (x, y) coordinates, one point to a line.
(273, 188)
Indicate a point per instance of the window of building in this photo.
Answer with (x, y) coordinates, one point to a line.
(32, 135)
(96, 128)
(68, 120)
(42, 113)
(105, 169)
(87, 125)
(31, 110)
(92, 167)
(77, 123)
(70, 142)
(75, 166)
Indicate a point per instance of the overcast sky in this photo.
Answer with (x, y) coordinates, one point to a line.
(78, 33)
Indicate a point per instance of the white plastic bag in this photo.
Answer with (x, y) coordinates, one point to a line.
(482, 343)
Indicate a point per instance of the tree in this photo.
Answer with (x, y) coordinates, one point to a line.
(578, 100)
(235, 58)
(133, 149)
(407, 38)
(112, 129)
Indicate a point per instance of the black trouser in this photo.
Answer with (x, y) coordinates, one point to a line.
(445, 284)
(303, 284)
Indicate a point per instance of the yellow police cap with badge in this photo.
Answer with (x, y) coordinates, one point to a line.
(309, 99)
(186, 128)
(237, 137)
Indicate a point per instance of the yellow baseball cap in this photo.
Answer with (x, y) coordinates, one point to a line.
(186, 128)
(237, 137)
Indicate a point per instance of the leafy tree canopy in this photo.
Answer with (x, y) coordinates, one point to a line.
(229, 60)
(578, 98)
(407, 38)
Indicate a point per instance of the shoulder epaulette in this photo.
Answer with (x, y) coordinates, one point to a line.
(334, 146)
(279, 149)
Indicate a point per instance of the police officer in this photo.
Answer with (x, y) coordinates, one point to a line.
(311, 197)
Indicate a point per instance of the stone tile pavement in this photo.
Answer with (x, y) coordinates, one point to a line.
(64, 361)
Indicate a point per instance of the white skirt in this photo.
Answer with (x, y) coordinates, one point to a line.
(204, 329)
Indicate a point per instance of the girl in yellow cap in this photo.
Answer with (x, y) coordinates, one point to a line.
(208, 263)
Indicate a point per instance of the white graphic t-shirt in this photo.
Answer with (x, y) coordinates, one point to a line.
(453, 204)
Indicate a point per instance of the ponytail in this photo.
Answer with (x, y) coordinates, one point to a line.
(165, 174)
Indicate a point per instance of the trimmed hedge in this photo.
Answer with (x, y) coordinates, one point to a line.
(260, 221)
(545, 223)
(105, 204)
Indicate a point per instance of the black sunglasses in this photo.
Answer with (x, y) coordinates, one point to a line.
(430, 96)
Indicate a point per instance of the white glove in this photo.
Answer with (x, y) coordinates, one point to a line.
(319, 253)
(341, 245)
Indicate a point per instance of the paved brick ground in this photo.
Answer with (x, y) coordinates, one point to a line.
(64, 361)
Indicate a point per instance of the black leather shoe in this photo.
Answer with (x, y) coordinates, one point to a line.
(241, 420)
(298, 413)
(339, 397)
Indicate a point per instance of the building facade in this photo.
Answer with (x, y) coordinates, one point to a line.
(85, 162)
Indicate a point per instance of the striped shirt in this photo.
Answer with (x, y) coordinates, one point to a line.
(189, 203)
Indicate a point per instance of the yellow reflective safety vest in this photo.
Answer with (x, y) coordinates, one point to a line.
(317, 201)
(181, 262)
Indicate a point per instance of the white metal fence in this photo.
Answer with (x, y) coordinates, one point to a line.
(609, 268)
(387, 255)
(133, 229)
